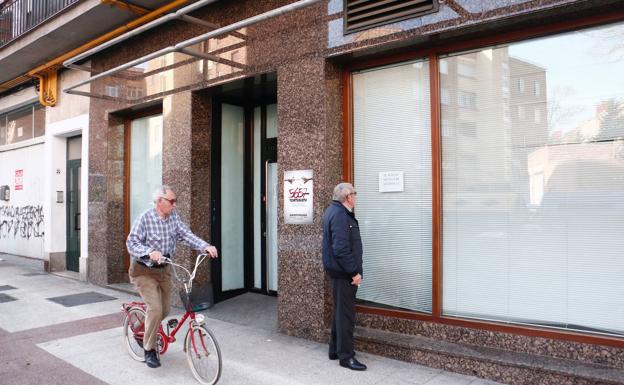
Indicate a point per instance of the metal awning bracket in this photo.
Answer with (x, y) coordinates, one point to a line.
(184, 46)
(212, 57)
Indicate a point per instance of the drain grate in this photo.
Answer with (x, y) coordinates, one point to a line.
(81, 299)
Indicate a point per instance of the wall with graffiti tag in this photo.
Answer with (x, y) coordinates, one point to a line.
(22, 218)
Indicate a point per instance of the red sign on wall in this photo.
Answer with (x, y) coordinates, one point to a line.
(19, 179)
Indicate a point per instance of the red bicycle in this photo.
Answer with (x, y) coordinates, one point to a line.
(200, 345)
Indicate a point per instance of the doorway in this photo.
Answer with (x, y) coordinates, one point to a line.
(72, 256)
(244, 187)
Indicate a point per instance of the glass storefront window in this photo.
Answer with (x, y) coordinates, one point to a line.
(146, 143)
(533, 200)
(22, 124)
(392, 175)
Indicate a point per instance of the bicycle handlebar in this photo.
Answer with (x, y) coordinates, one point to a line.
(200, 258)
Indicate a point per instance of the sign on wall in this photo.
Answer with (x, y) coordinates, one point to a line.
(391, 181)
(19, 179)
(298, 197)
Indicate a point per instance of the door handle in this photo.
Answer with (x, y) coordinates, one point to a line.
(77, 221)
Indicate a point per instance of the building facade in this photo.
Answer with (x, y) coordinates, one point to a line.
(485, 140)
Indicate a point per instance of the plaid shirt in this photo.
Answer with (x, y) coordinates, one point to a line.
(150, 232)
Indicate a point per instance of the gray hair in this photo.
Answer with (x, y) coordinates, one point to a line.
(342, 191)
(160, 192)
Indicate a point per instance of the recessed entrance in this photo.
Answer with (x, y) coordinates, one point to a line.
(244, 186)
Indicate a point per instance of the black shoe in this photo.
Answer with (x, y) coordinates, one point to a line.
(352, 364)
(151, 359)
(333, 356)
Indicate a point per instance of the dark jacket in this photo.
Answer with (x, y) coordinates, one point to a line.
(342, 244)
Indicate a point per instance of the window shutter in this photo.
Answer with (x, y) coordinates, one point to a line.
(362, 14)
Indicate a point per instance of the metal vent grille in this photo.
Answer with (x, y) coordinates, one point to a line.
(362, 14)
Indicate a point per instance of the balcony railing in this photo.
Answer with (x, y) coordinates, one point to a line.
(20, 16)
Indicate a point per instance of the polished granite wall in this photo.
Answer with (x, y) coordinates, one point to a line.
(106, 183)
(296, 46)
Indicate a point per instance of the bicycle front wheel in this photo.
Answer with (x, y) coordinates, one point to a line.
(134, 329)
(203, 355)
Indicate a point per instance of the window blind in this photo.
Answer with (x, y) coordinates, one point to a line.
(391, 134)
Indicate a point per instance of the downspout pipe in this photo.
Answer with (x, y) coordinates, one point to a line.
(154, 23)
(217, 32)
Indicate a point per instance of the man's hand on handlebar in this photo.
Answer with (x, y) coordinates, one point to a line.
(212, 251)
(155, 256)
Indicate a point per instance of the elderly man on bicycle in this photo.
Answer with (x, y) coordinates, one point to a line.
(154, 235)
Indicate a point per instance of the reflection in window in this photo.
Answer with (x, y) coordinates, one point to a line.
(537, 115)
(521, 113)
(443, 66)
(532, 214)
(468, 128)
(446, 129)
(445, 98)
(537, 89)
(467, 99)
(467, 69)
(536, 186)
(112, 91)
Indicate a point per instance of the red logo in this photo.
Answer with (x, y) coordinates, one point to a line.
(298, 193)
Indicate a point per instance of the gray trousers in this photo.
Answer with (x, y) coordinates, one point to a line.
(343, 318)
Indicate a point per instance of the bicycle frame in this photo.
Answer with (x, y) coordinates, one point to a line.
(189, 314)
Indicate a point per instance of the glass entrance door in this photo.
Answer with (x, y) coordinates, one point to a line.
(245, 203)
(74, 155)
(73, 215)
(265, 198)
(232, 198)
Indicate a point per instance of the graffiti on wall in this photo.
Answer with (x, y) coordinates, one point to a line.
(24, 222)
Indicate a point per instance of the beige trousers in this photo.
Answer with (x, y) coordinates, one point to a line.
(154, 285)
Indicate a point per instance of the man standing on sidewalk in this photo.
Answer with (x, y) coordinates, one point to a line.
(342, 260)
(154, 235)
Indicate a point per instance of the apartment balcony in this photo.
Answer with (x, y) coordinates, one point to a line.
(17, 17)
(33, 32)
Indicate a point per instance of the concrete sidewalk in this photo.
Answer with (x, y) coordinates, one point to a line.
(56, 330)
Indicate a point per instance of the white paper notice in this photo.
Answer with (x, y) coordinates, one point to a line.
(298, 197)
(391, 181)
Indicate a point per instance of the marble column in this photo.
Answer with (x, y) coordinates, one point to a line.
(309, 137)
(186, 167)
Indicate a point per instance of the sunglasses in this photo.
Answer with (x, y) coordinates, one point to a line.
(171, 201)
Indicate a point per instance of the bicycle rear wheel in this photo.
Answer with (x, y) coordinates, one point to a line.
(203, 355)
(134, 328)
